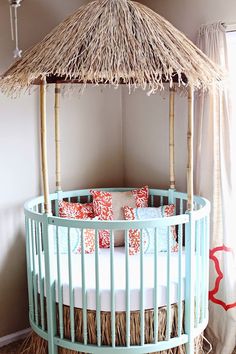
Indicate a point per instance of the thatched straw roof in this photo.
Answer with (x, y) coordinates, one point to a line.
(113, 42)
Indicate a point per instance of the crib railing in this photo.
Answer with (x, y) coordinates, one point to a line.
(45, 287)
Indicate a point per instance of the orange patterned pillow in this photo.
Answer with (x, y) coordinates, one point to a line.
(108, 206)
(76, 211)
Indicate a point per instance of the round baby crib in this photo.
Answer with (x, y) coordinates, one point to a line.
(57, 281)
(111, 301)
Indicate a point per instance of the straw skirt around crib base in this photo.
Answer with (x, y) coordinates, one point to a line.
(37, 345)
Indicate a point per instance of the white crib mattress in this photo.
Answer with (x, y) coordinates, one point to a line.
(119, 279)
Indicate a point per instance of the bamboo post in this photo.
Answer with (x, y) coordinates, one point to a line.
(43, 135)
(190, 150)
(57, 136)
(171, 138)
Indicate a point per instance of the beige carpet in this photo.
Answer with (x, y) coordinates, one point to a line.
(13, 348)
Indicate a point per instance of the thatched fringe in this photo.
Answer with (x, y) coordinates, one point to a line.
(36, 345)
(113, 42)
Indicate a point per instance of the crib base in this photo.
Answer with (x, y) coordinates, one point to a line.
(34, 344)
(37, 345)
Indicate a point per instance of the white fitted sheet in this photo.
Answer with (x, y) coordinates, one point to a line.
(119, 279)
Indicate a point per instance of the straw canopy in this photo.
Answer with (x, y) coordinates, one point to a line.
(113, 42)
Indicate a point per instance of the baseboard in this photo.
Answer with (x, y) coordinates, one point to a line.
(10, 338)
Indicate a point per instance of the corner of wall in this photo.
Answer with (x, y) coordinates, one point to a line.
(123, 135)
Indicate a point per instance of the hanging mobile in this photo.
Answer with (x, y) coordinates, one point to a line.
(14, 4)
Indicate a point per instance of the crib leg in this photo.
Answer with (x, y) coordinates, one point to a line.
(190, 283)
(50, 289)
(52, 349)
(190, 347)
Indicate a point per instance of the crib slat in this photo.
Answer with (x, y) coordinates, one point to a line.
(59, 286)
(113, 318)
(168, 327)
(29, 267)
(198, 273)
(39, 248)
(35, 282)
(71, 290)
(181, 207)
(98, 304)
(56, 207)
(127, 285)
(171, 196)
(180, 290)
(161, 200)
(152, 200)
(142, 326)
(84, 293)
(156, 314)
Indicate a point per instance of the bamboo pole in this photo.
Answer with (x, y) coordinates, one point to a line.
(57, 136)
(171, 138)
(190, 150)
(43, 135)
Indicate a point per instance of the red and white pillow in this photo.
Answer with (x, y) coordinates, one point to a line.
(77, 211)
(108, 206)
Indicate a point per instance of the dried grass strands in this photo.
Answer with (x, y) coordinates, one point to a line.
(114, 41)
(37, 345)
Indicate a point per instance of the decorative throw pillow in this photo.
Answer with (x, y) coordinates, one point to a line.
(75, 240)
(108, 206)
(76, 211)
(149, 233)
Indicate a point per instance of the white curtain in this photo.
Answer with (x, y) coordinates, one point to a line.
(213, 180)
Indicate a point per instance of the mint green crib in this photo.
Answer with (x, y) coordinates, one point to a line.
(46, 286)
(116, 43)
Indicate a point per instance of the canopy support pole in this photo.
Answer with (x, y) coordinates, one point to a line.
(57, 136)
(172, 138)
(190, 150)
(43, 135)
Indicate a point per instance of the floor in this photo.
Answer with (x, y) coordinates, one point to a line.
(11, 348)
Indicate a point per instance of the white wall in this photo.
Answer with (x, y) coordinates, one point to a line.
(91, 157)
(92, 153)
(146, 118)
(147, 142)
(188, 15)
(91, 139)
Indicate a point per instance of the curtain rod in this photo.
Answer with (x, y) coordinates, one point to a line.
(230, 26)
